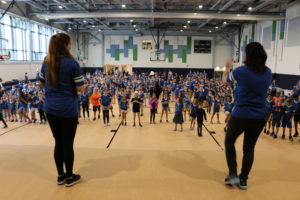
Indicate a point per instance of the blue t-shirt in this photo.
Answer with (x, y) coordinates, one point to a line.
(178, 109)
(288, 112)
(250, 92)
(62, 101)
(105, 100)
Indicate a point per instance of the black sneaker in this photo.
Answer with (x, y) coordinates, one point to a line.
(200, 134)
(94, 118)
(291, 138)
(140, 125)
(232, 180)
(268, 132)
(113, 115)
(265, 130)
(134, 125)
(283, 137)
(272, 134)
(61, 180)
(296, 134)
(73, 180)
(5, 126)
(243, 184)
(99, 117)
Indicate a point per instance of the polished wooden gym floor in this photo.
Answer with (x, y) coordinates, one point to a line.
(148, 163)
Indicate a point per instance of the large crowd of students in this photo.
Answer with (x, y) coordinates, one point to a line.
(195, 95)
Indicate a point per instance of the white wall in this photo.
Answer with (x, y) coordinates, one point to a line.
(14, 70)
(282, 59)
(223, 51)
(193, 60)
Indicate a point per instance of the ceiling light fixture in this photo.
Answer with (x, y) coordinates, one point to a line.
(188, 21)
(238, 15)
(123, 6)
(4, 2)
(225, 22)
(250, 8)
(181, 30)
(99, 30)
(210, 31)
(184, 26)
(93, 26)
(131, 20)
(134, 26)
(136, 29)
(195, 13)
(200, 6)
(60, 7)
(217, 27)
(84, 21)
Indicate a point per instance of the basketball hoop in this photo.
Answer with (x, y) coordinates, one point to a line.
(157, 56)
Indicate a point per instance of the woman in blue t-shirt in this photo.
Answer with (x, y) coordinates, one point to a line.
(250, 112)
(62, 78)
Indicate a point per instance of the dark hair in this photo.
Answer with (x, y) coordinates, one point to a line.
(256, 56)
(57, 49)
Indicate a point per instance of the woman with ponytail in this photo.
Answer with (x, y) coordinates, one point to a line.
(62, 78)
(250, 110)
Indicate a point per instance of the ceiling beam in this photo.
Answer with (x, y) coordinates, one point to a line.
(160, 15)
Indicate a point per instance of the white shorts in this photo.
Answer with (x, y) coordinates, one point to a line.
(124, 111)
(227, 113)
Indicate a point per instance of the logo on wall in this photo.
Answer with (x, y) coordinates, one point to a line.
(115, 50)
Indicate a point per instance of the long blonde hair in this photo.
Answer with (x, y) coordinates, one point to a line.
(57, 49)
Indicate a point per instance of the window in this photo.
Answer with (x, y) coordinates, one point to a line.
(147, 44)
(21, 40)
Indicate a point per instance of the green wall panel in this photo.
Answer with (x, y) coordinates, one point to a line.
(166, 42)
(170, 55)
(135, 54)
(117, 54)
(184, 56)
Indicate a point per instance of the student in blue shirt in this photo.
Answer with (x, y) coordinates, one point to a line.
(250, 110)
(277, 118)
(105, 101)
(288, 112)
(124, 109)
(85, 103)
(216, 109)
(228, 109)
(297, 113)
(62, 78)
(186, 105)
(178, 118)
(165, 101)
(41, 101)
(270, 105)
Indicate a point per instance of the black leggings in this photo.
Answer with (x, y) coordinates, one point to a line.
(64, 130)
(252, 129)
(85, 108)
(42, 115)
(2, 119)
(105, 116)
(199, 128)
(152, 115)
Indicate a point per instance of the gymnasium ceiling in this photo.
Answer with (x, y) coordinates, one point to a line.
(141, 16)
